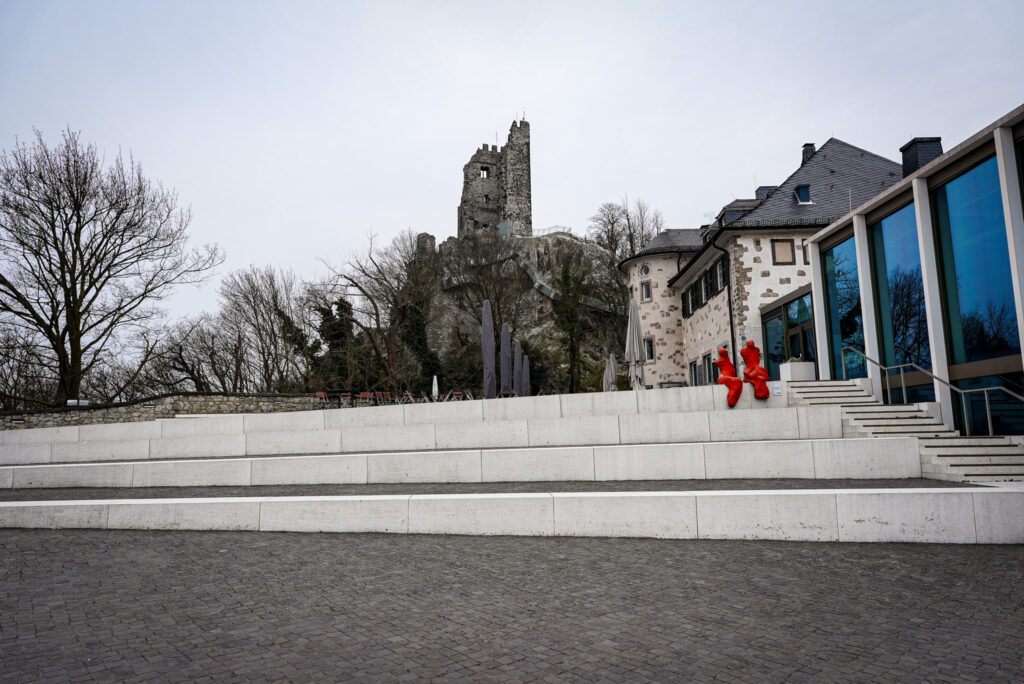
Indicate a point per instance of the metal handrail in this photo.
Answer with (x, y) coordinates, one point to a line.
(903, 384)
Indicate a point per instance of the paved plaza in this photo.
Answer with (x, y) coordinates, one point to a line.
(85, 605)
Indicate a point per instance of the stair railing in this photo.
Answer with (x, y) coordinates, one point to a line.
(962, 392)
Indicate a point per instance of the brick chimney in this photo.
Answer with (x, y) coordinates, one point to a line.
(918, 152)
(808, 153)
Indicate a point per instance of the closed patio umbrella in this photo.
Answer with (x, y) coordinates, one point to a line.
(506, 359)
(634, 347)
(487, 345)
(433, 389)
(526, 376)
(517, 370)
(610, 375)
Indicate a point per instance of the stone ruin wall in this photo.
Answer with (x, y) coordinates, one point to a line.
(162, 407)
(496, 190)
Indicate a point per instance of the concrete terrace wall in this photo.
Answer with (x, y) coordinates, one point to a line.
(162, 407)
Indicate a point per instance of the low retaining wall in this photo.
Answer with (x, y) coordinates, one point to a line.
(160, 407)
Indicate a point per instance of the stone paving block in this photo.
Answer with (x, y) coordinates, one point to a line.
(771, 459)
(538, 464)
(645, 514)
(581, 430)
(16, 454)
(660, 428)
(395, 438)
(53, 515)
(205, 425)
(336, 514)
(649, 462)
(292, 442)
(203, 473)
(185, 514)
(433, 466)
(872, 457)
(298, 470)
(999, 516)
(945, 517)
(522, 408)
(745, 426)
(39, 435)
(198, 445)
(118, 431)
(76, 452)
(444, 412)
(364, 416)
(589, 404)
(482, 435)
(483, 514)
(793, 516)
(93, 475)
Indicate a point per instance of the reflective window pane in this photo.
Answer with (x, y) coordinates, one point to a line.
(774, 346)
(902, 321)
(842, 306)
(982, 319)
(799, 311)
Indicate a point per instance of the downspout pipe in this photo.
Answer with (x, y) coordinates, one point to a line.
(728, 294)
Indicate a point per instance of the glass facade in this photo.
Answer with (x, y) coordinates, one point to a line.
(896, 262)
(981, 316)
(789, 334)
(842, 308)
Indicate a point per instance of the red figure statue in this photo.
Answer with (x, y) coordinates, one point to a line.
(728, 377)
(755, 373)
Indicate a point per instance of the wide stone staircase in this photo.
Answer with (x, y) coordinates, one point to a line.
(636, 464)
(945, 454)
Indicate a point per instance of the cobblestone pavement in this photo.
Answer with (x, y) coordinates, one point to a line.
(79, 493)
(195, 606)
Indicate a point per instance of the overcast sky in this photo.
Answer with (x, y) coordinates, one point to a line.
(294, 128)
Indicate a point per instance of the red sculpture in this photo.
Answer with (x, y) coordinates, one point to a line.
(754, 373)
(728, 377)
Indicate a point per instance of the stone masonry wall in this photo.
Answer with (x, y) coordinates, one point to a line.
(760, 282)
(661, 318)
(162, 407)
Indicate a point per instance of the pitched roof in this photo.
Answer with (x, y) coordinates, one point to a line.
(840, 175)
(670, 241)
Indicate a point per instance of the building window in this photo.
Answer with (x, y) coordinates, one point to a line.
(645, 291)
(709, 369)
(788, 334)
(694, 380)
(704, 288)
(685, 303)
(485, 172)
(783, 253)
(896, 270)
(802, 193)
(645, 270)
(980, 310)
(694, 303)
(648, 349)
(842, 308)
(487, 199)
(720, 269)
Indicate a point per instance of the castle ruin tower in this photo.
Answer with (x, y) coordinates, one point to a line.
(496, 187)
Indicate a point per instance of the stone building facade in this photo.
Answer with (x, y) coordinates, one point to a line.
(754, 257)
(660, 308)
(496, 193)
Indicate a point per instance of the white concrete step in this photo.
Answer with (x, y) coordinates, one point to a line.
(996, 478)
(937, 442)
(261, 436)
(1014, 459)
(972, 469)
(967, 450)
(913, 429)
(875, 421)
(809, 459)
(954, 515)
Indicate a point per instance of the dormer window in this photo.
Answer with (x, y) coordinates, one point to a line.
(485, 172)
(802, 193)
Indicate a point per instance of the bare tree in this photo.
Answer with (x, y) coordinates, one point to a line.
(624, 230)
(85, 254)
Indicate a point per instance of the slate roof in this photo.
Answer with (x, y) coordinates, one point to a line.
(670, 241)
(841, 176)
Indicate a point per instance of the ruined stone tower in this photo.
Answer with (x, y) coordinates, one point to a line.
(496, 187)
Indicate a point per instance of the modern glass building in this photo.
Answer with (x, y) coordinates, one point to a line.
(926, 279)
